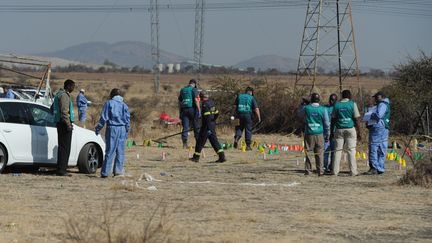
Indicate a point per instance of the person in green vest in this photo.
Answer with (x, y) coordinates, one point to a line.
(190, 110)
(330, 145)
(245, 104)
(64, 118)
(346, 129)
(316, 132)
(378, 134)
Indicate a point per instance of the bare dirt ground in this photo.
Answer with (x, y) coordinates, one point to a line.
(245, 199)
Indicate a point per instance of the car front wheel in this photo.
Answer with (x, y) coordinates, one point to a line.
(3, 158)
(88, 159)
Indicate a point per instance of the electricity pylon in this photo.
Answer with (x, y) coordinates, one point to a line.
(155, 51)
(328, 40)
(199, 35)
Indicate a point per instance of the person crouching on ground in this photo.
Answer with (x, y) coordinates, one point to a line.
(317, 130)
(116, 115)
(208, 129)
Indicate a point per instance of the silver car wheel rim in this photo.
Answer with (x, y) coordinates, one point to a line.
(93, 158)
(2, 158)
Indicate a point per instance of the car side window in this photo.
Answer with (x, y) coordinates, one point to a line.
(13, 113)
(40, 116)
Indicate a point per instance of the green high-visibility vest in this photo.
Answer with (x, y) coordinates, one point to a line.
(344, 114)
(244, 103)
(386, 117)
(314, 119)
(57, 111)
(187, 96)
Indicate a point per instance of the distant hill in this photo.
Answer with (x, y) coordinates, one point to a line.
(124, 53)
(265, 62)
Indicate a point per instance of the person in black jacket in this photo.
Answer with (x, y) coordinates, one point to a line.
(208, 129)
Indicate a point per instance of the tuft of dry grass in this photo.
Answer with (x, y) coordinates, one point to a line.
(419, 175)
(117, 223)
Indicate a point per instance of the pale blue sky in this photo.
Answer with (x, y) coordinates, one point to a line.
(231, 35)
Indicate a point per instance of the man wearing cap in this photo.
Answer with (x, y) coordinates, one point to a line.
(347, 131)
(190, 110)
(378, 134)
(208, 129)
(82, 104)
(316, 130)
(245, 104)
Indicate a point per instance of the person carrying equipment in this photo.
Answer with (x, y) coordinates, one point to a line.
(316, 131)
(116, 115)
(378, 134)
(82, 104)
(208, 129)
(190, 110)
(330, 145)
(344, 119)
(245, 104)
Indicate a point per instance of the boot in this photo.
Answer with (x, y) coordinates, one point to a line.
(236, 144)
(195, 158)
(248, 148)
(185, 145)
(221, 157)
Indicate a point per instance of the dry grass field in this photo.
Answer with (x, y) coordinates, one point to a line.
(246, 199)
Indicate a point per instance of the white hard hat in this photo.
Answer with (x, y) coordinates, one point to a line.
(82, 90)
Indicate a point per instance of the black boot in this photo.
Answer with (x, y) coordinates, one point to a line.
(221, 157)
(185, 145)
(236, 144)
(195, 158)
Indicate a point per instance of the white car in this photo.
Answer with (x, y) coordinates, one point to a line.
(28, 136)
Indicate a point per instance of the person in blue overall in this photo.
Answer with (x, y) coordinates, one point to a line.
(378, 134)
(82, 104)
(330, 145)
(116, 115)
(208, 129)
(245, 104)
(189, 110)
(8, 94)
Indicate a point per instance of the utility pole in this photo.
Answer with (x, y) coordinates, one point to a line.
(155, 51)
(328, 43)
(199, 35)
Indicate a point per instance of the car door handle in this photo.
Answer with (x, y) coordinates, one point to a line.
(7, 130)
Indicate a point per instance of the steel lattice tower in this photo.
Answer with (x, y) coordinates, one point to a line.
(328, 42)
(199, 35)
(155, 52)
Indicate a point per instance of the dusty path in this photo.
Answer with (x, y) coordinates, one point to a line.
(245, 199)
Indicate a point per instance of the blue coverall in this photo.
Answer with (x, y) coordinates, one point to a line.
(82, 107)
(9, 94)
(116, 115)
(330, 145)
(378, 138)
